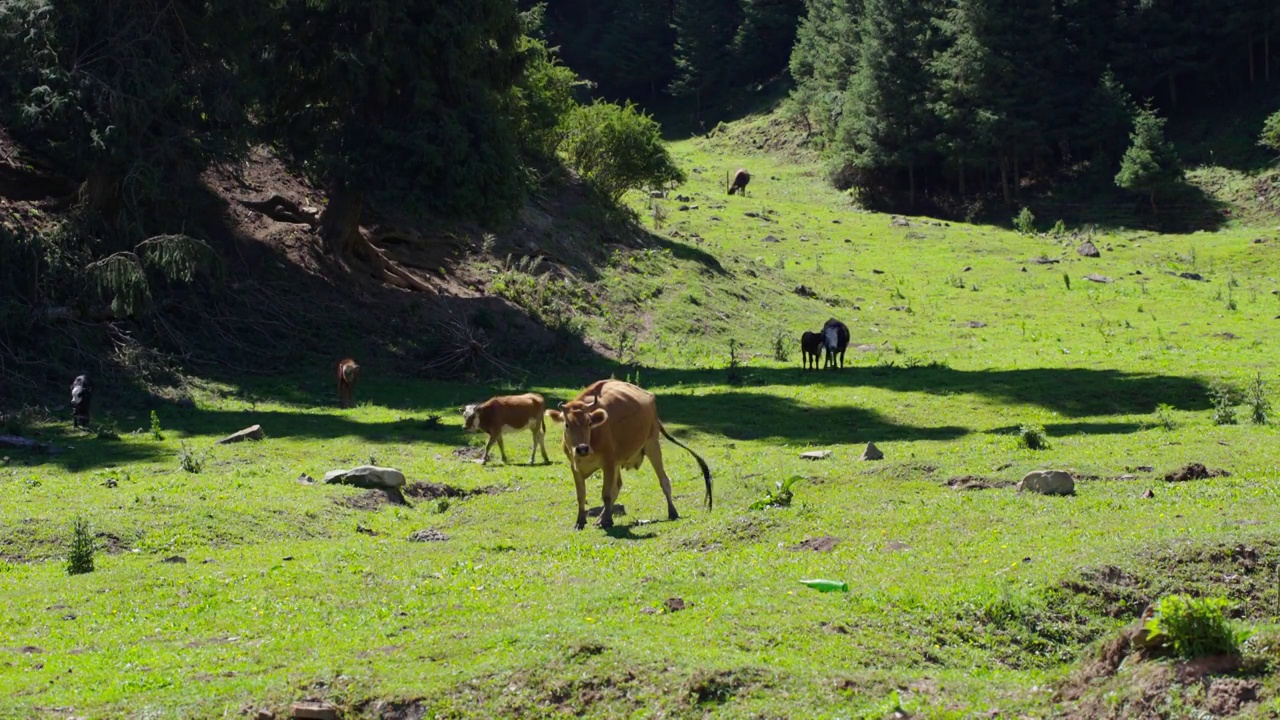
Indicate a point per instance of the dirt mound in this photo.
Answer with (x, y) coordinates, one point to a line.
(1194, 471)
(818, 544)
(469, 453)
(976, 482)
(372, 499)
(434, 490)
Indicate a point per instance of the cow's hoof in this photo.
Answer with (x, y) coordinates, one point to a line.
(673, 515)
(604, 523)
(579, 525)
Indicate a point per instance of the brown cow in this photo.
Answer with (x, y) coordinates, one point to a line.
(505, 414)
(739, 182)
(348, 374)
(613, 425)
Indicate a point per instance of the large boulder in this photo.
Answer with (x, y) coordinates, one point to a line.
(1048, 482)
(367, 476)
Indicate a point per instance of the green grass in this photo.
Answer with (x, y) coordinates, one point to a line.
(961, 602)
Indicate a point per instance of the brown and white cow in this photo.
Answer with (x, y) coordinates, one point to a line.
(348, 374)
(613, 425)
(509, 413)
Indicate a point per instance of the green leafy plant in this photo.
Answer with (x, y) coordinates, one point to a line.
(1259, 403)
(1025, 222)
(83, 546)
(1224, 409)
(155, 426)
(1066, 279)
(1164, 417)
(617, 148)
(781, 498)
(734, 374)
(781, 349)
(1033, 437)
(1194, 627)
(1059, 229)
(191, 462)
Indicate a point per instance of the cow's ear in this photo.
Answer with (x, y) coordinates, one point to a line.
(598, 417)
(556, 416)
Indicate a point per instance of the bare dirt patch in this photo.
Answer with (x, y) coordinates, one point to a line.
(433, 491)
(469, 453)
(719, 686)
(818, 544)
(976, 482)
(1194, 471)
(372, 499)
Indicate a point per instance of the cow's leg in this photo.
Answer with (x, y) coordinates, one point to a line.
(503, 449)
(485, 458)
(609, 494)
(653, 450)
(580, 484)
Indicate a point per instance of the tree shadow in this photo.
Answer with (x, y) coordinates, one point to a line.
(1077, 428)
(686, 252)
(75, 451)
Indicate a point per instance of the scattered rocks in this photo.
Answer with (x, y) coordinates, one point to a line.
(804, 291)
(872, 453)
(175, 559)
(1042, 260)
(1048, 482)
(305, 479)
(899, 222)
(752, 214)
(656, 193)
(1228, 695)
(253, 432)
(1194, 471)
(976, 324)
(1088, 249)
(1260, 241)
(771, 239)
(367, 476)
(899, 308)
(429, 535)
(818, 544)
(309, 710)
(364, 530)
(815, 455)
(618, 510)
(1095, 277)
(683, 208)
(674, 604)
(1191, 276)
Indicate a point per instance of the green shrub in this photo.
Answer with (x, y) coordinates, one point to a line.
(1271, 132)
(781, 498)
(191, 462)
(156, 432)
(1032, 437)
(80, 559)
(1224, 410)
(617, 148)
(1193, 627)
(1258, 401)
(1025, 222)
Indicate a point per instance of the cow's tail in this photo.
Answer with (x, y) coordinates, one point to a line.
(706, 471)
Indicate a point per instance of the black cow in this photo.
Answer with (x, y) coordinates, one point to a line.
(835, 338)
(739, 182)
(81, 394)
(811, 348)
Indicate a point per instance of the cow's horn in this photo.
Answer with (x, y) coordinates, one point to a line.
(561, 405)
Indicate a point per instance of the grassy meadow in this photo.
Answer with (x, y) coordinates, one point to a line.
(961, 603)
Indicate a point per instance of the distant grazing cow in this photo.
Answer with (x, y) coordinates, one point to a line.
(613, 425)
(348, 374)
(811, 348)
(81, 395)
(509, 413)
(739, 182)
(835, 338)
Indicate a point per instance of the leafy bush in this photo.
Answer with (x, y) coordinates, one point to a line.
(1164, 417)
(1224, 409)
(617, 148)
(1258, 401)
(1032, 437)
(156, 432)
(191, 462)
(80, 559)
(1271, 132)
(1025, 222)
(781, 498)
(1193, 627)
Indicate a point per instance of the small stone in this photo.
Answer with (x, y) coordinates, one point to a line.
(1024, 269)
(967, 268)
(1094, 277)
(1149, 494)
(307, 710)
(430, 535)
(306, 479)
(175, 559)
(253, 432)
(1088, 249)
(265, 715)
(815, 455)
(1191, 276)
(752, 214)
(683, 208)
(674, 604)
(876, 272)
(1048, 482)
(872, 452)
(771, 239)
(977, 324)
(655, 193)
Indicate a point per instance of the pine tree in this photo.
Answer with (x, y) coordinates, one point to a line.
(704, 36)
(1150, 165)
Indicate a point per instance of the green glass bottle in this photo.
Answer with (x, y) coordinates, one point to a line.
(827, 585)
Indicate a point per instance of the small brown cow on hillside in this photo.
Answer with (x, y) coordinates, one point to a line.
(613, 425)
(739, 182)
(348, 374)
(509, 413)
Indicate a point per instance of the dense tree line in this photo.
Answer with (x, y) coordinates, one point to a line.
(947, 97)
(649, 50)
(429, 108)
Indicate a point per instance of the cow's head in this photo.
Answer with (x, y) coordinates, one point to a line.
(470, 418)
(578, 418)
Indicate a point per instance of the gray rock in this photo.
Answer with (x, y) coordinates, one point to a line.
(1088, 249)
(1191, 276)
(307, 710)
(1095, 277)
(656, 193)
(253, 432)
(816, 455)
(872, 452)
(366, 476)
(770, 238)
(430, 535)
(1048, 482)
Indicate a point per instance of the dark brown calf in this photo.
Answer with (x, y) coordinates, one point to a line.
(811, 348)
(348, 374)
(509, 413)
(739, 182)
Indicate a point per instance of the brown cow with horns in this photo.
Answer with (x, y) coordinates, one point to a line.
(613, 425)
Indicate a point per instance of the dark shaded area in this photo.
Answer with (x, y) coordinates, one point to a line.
(1077, 428)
